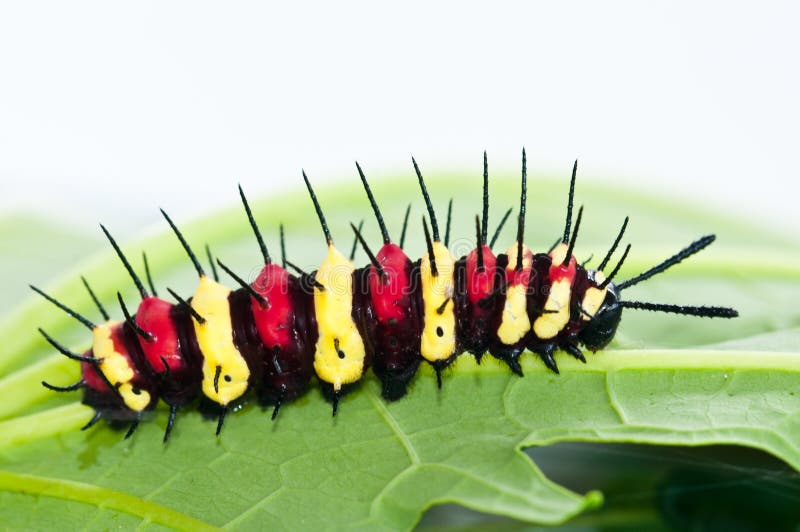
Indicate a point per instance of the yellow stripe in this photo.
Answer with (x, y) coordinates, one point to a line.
(515, 322)
(549, 324)
(439, 331)
(593, 297)
(215, 339)
(340, 354)
(116, 367)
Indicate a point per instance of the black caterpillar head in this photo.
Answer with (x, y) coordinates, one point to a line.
(602, 327)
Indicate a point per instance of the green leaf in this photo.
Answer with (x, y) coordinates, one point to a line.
(666, 380)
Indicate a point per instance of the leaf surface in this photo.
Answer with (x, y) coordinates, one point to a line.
(666, 380)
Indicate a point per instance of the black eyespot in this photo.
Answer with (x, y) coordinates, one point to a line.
(439, 332)
(336, 346)
(136, 391)
(392, 341)
(227, 378)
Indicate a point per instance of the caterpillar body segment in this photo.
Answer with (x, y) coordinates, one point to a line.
(340, 357)
(437, 286)
(396, 328)
(286, 328)
(476, 305)
(114, 377)
(556, 308)
(226, 374)
(115, 348)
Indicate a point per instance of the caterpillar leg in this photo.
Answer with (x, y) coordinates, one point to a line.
(335, 400)
(395, 379)
(546, 354)
(335, 396)
(93, 421)
(575, 351)
(278, 402)
(221, 419)
(510, 355)
(133, 427)
(173, 410)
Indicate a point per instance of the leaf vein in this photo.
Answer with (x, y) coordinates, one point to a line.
(390, 420)
(100, 497)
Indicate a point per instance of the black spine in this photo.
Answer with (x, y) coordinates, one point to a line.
(121, 255)
(405, 226)
(688, 251)
(94, 298)
(368, 251)
(574, 238)
(479, 238)
(615, 271)
(250, 218)
(447, 225)
(569, 202)
(703, 312)
(499, 228)
(185, 245)
(429, 245)
(147, 274)
(89, 325)
(521, 219)
(485, 221)
(428, 204)
(317, 208)
(614, 245)
(374, 204)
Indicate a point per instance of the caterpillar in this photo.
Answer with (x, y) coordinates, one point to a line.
(276, 334)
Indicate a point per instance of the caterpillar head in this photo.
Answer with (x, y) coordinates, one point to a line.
(602, 326)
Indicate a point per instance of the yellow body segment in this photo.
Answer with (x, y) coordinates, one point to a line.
(593, 298)
(340, 354)
(527, 257)
(215, 339)
(549, 324)
(559, 253)
(439, 330)
(514, 322)
(556, 316)
(116, 368)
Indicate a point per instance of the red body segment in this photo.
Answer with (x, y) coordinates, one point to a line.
(392, 292)
(477, 299)
(480, 283)
(154, 316)
(558, 272)
(92, 377)
(523, 276)
(394, 335)
(275, 320)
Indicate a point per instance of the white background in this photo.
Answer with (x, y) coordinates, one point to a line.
(113, 109)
